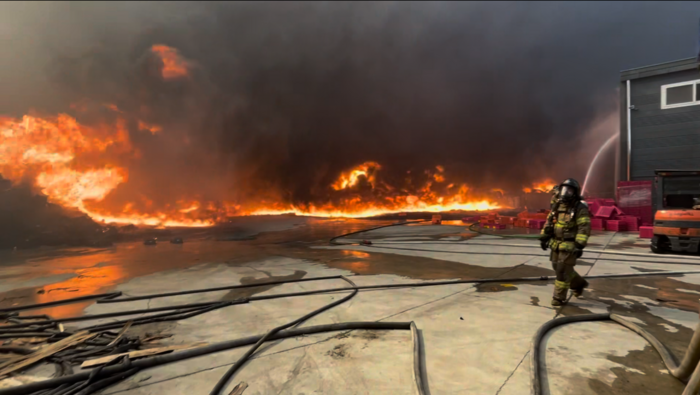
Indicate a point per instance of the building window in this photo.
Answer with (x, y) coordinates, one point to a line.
(681, 94)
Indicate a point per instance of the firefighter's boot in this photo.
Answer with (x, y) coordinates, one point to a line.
(578, 284)
(558, 302)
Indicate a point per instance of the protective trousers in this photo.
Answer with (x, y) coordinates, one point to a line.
(563, 263)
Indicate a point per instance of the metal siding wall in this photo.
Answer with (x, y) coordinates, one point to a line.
(662, 139)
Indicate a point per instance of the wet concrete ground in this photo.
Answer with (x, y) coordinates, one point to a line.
(477, 337)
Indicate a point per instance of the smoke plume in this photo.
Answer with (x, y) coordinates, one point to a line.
(282, 97)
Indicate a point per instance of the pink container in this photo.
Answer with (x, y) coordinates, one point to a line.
(607, 202)
(597, 224)
(593, 206)
(470, 220)
(615, 225)
(631, 221)
(605, 212)
(507, 220)
(646, 232)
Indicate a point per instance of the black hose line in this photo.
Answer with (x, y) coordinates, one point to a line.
(195, 308)
(478, 230)
(382, 246)
(688, 369)
(60, 302)
(150, 362)
(333, 241)
(476, 281)
(232, 370)
(202, 290)
(7, 328)
(535, 359)
(108, 297)
(104, 383)
(87, 382)
(173, 316)
(530, 237)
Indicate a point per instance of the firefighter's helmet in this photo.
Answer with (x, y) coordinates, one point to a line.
(569, 190)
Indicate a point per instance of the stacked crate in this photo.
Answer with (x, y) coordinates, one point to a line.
(507, 221)
(616, 225)
(631, 221)
(646, 232)
(526, 219)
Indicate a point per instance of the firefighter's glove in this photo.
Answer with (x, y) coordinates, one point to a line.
(578, 250)
(544, 242)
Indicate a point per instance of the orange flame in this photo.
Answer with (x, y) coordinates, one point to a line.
(46, 150)
(357, 207)
(544, 186)
(70, 164)
(352, 177)
(79, 167)
(174, 66)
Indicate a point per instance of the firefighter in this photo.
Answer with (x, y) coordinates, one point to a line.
(566, 233)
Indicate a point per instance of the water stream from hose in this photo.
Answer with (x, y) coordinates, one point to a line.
(595, 160)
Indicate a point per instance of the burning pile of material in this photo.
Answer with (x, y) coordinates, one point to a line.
(78, 166)
(100, 167)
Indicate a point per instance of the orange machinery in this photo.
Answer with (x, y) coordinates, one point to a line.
(677, 206)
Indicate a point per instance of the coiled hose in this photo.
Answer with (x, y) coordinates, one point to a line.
(688, 368)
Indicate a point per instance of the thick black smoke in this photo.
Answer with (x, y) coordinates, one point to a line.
(284, 96)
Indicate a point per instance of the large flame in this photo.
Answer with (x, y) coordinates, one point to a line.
(352, 177)
(79, 166)
(76, 167)
(542, 186)
(387, 200)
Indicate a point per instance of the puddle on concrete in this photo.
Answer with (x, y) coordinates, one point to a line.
(93, 270)
(495, 287)
(659, 292)
(643, 376)
(409, 266)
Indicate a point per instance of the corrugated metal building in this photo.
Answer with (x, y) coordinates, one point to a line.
(659, 119)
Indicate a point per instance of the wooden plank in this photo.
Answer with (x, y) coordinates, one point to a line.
(138, 354)
(44, 352)
(238, 390)
(121, 333)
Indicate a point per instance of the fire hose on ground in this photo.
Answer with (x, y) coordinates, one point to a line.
(688, 369)
(473, 227)
(277, 333)
(375, 244)
(88, 382)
